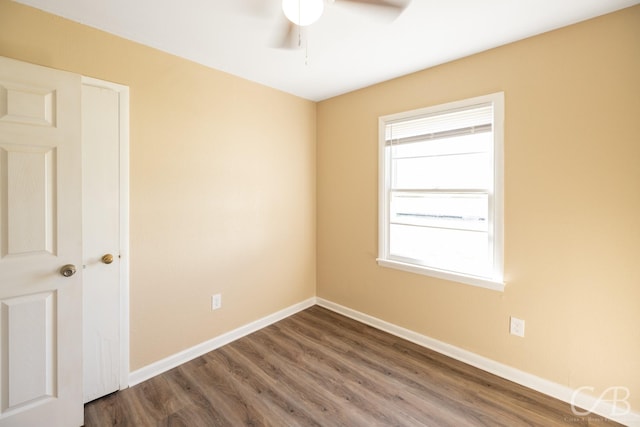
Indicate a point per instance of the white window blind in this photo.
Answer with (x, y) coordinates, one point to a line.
(433, 126)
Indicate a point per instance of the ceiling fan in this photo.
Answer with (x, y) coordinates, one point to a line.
(302, 13)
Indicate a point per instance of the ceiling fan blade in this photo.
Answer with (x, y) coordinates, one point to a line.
(256, 8)
(288, 36)
(399, 5)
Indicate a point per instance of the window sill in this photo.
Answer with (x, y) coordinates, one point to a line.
(440, 274)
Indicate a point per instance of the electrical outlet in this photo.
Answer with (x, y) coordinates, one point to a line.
(216, 301)
(516, 326)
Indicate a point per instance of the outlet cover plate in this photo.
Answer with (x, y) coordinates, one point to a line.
(216, 301)
(516, 326)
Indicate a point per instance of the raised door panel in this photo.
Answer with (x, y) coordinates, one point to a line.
(25, 104)
(27, 200)
(28, 349)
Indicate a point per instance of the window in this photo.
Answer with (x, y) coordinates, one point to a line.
(441, 191)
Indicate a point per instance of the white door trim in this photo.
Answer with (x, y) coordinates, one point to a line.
(123, 99)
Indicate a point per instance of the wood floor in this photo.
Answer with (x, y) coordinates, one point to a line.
(318, 368)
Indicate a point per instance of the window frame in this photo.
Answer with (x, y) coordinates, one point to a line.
(496, 195)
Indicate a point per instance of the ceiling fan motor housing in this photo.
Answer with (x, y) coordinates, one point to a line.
(303, 12)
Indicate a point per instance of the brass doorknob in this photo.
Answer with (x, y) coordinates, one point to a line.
(107, 259)
(68, 270)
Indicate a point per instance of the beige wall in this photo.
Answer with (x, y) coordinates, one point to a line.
(572, 206)
(222, 199)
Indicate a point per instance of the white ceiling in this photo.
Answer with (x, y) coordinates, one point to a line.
(350, 47)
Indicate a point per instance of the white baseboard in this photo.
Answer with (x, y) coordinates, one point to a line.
(580, 400)
(184, 356)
